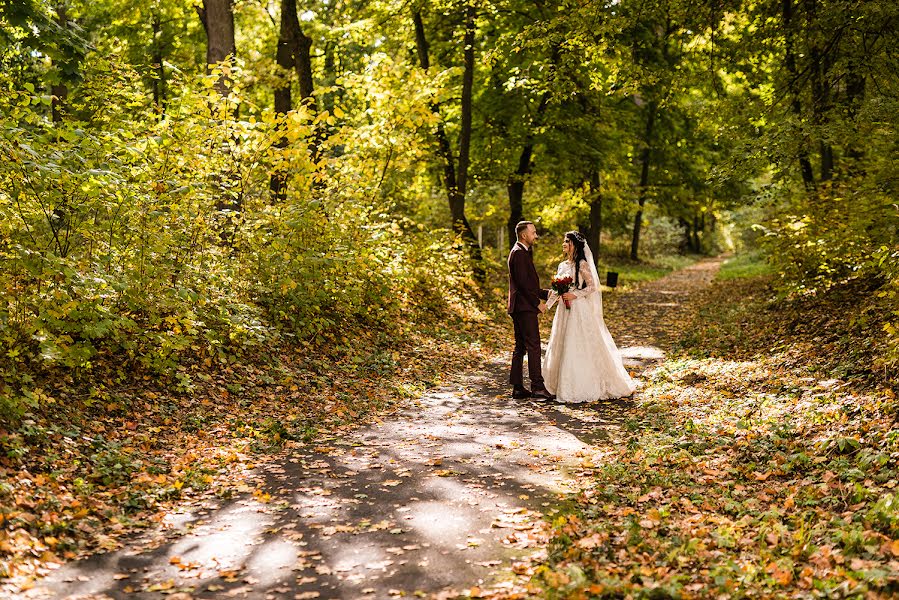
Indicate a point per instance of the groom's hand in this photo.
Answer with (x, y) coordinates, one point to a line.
(542, 307)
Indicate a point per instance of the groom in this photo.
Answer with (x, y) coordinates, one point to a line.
(525, 304)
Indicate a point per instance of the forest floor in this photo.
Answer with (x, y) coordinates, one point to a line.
(453, 495)
(757, 459)
(761, 461)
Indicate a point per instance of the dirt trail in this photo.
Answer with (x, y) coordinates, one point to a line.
(447, 495)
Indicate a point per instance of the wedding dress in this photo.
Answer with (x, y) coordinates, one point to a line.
(582, 363)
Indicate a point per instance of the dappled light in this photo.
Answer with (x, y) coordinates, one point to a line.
(456, 487)
(271, 273)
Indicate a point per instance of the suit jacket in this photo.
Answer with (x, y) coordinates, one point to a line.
(524, 285)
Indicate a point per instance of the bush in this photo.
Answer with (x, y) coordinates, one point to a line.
(146, 243)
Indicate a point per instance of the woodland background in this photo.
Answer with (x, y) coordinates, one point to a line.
(203, 178)
(188, 189)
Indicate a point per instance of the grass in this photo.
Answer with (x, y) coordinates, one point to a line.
(632, 273)
(747, 264)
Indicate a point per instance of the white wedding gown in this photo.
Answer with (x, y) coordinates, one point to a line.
(582, 363)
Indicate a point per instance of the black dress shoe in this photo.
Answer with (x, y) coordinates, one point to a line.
(520, 393)
(543, 395)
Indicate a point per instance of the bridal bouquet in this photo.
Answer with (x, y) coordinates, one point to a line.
(561, 285)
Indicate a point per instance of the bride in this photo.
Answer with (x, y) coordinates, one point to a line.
(582, 363)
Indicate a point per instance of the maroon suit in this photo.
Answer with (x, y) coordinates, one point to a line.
(524, 306)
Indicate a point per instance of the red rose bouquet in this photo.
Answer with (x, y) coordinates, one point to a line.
(561, 285)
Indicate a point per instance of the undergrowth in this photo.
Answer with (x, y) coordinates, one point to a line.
(763, 466)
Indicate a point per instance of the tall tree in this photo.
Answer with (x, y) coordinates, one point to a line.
(59, 89)
(217, 17)
(793, 89)
(294, 57)
(593, 229)
(159, 83)
(643, 184)
(516, 181)
(455, 178)
(652, 37)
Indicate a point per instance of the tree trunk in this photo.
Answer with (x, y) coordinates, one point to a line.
(805, 163)
(645, 157)
(328, 97)
(59, 91)
(593, 229)
(820, 88)
(293, 55)
(457, 199)
(515, 185)
(284, 57)
(304, 63)
(303, 55)
(687, 244)
(515, 189)
(466, 108)
(443, 143)
(826, 161)
(218, 22)
(217, 17)
(697, 228)
(855, 94)
(456, 180)
(159, 92)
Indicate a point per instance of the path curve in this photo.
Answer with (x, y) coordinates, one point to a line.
(448, 495)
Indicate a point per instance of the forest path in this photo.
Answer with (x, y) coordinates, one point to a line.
(448, 495)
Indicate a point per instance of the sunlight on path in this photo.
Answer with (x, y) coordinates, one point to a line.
(447, 495)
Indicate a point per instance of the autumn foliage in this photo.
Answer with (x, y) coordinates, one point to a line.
(758, 463)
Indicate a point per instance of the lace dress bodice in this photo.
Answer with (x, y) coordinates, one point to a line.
(584, 280)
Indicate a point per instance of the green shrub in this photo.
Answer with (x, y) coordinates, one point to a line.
(143, 244)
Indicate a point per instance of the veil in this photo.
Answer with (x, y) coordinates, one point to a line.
(595, 301)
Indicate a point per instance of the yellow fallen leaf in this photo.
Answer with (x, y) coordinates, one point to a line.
(158, 587)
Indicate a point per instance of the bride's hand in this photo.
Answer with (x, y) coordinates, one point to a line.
(569, 296)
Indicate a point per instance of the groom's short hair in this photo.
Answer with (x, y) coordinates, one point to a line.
(522, 225)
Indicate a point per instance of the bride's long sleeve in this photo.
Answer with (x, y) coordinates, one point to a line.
(551, 299)
(553, 296)
(587, 279)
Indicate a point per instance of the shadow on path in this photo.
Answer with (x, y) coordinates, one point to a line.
(448, 494)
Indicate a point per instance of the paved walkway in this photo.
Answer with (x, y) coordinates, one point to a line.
(447, 496)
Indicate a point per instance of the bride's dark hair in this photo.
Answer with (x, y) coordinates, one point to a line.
(579, 242)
